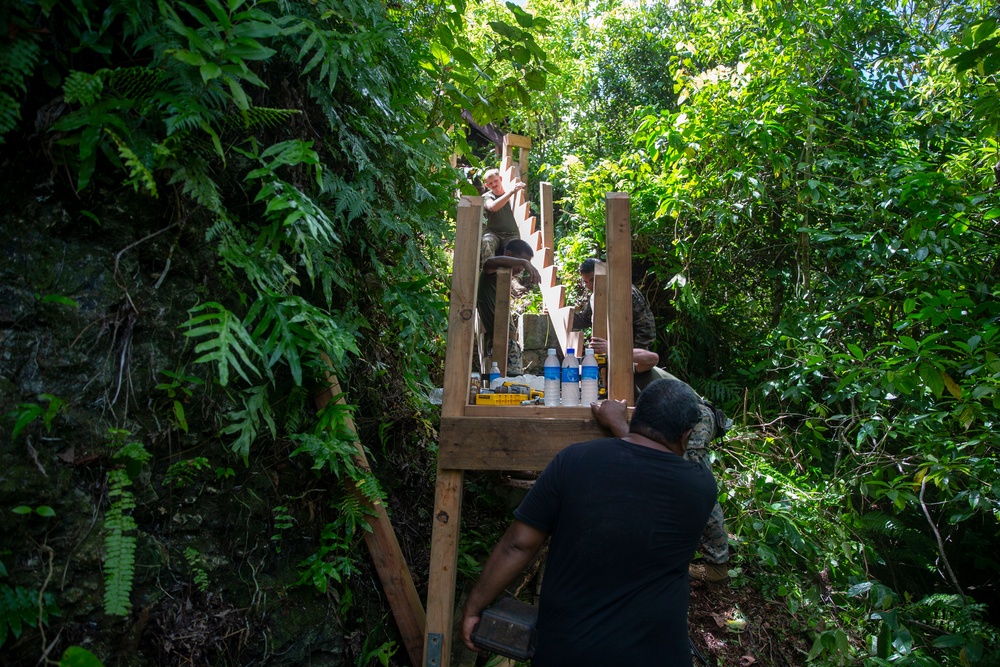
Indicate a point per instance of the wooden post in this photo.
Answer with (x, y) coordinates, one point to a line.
(384, 549)
(501, 320)
(512, 141)
(548, 233)
(448, 494)
(600, 323)
(620, 373)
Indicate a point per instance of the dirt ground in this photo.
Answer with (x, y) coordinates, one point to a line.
(736, 627)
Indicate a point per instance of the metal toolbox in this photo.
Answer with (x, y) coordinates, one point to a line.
(508, 629)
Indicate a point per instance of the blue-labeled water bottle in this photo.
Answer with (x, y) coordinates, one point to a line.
(553, 377)
(589, 378)
(494, 375)
(570, 379)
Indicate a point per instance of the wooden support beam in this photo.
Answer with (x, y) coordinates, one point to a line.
(548, 270)
(574, 339)
(510, 443)
(523, 144)
(620, 374)
(501, 320)
(383, 546)
(547, 215)
(560, 315)
(448, 493)
(517, 141)
(600, 322)
(527, 230)
(554, 297)
(535, 241)
(521, 211)
(508, 173)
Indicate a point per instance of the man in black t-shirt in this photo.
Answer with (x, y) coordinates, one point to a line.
(625, 515)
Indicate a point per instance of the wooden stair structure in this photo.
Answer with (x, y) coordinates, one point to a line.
(478, 437)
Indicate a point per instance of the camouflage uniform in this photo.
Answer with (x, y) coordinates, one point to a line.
(493, 244)
(500, 228)
(714, 545)
(643, 324)
(486, 303)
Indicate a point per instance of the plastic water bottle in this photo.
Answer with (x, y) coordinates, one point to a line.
(589, 378)
(494, 375)
(570, 379)
(552, 378)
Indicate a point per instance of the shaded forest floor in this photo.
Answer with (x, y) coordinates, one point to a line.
(738, 627)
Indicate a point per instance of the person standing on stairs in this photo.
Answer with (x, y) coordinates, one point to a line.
(516, 256)
(643, 324)
(624, 515)
(501, 226)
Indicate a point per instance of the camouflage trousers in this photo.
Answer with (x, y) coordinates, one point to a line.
(515, 362)
(714, 544)
(493, 244)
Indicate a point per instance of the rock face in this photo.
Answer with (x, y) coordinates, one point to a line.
(90, 307)
(536, 335)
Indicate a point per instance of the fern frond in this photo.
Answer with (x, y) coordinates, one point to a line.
(134, 83)
(328, 452)
(295, 409)
(353, 515)
(139, 173)
(83, 88)
(119, 545)
(229, 342)
(256, 118)
(246, 421)
(880, 523)
(18, 59)
(196, 183)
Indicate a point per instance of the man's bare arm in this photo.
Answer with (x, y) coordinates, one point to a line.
(612, 415)
(496, 204)
(644, 360)
(509, 558)
(493, 263)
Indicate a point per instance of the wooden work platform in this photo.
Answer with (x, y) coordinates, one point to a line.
(512, 438)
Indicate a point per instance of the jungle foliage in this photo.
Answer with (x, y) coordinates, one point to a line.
(815, 219)
(815, 191)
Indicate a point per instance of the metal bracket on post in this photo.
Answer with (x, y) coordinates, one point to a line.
(434, 643)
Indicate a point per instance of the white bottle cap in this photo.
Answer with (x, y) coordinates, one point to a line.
(590, 350)
(552, 350)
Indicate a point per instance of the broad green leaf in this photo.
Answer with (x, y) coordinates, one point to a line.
(523, 18)
(953, 388)
(506, 30)
(60, 299)
(535, 79)
(77, 656)
(189, 58)
(210, 71)
(441, 53)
